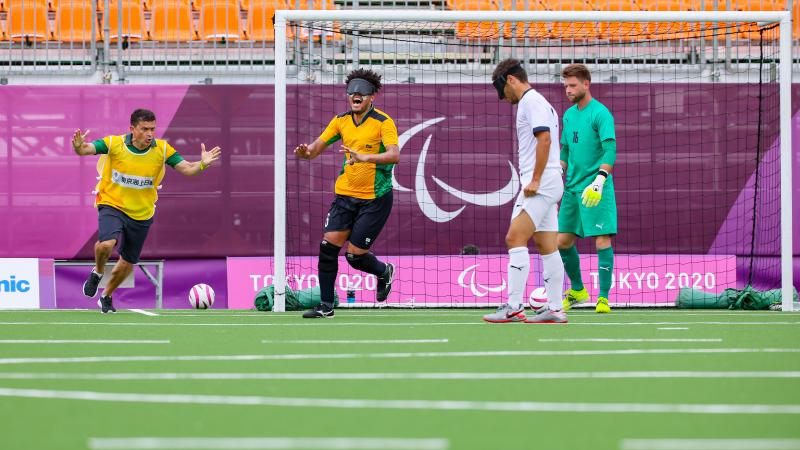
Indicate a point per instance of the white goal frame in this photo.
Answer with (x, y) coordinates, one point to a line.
(783, 18)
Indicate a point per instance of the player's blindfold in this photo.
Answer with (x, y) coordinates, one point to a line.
(500, 82)
(360, 86)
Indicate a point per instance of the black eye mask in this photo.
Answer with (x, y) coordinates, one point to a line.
(500, 82)
(360, 86)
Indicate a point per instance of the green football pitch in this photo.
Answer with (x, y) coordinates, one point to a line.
(399, 379)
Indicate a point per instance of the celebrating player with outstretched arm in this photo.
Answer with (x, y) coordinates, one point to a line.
(535, 211)
(363, 189)
(588, 153)
(131, 169)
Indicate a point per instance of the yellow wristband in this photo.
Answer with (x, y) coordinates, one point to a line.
(203, 166)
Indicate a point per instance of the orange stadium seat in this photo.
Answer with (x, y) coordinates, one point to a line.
(669, 30)
(617, 31)
(53, 4)
(171, 21)
(574, 30)
(259, 20)
(316, 4)
(27, 20)
(74, 20)
(751, 31)
(796, 20)
(532, 30)
(475, 30)
(219, 21)
(132, 19)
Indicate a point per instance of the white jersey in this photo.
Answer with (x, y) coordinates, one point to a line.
(535, 114)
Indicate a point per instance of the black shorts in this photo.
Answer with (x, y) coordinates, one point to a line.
(129, 233)
(365, 218)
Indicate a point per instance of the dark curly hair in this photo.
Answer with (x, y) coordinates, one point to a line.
(365, 74)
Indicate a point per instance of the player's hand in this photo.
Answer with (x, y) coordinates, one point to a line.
(78, 139)
(302, 151)
(353, 156)
(208, 157)
(593, 193)
(531, 189)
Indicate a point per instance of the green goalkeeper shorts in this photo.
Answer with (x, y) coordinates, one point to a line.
(577, 219)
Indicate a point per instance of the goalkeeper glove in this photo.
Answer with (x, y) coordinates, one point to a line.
(594, 192)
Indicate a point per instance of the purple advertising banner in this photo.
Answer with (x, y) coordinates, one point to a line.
(685, 176)
(480, 280)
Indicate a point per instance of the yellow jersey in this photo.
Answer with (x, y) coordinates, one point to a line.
(130, 177)
(375, 132)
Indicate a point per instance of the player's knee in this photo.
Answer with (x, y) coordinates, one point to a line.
(106, 246)
(602, 242)
(565, 241)
(357, 261)
(328, 257)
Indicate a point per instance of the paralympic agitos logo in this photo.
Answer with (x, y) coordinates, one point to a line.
(423, 195)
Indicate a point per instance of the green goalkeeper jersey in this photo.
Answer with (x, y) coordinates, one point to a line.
(582, 148)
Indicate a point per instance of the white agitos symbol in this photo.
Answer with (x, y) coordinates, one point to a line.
(476, 288)
(424, 199)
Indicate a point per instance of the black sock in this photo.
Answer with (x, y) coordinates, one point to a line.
(327, 281)
(367, 263)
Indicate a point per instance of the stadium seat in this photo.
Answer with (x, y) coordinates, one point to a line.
(617, 31)
(219, 21)
(669, 30)
(574, 30)
(132, 20)
(532, 30)
(751, 31)
(52, 5)
(27, 20)
(74, 20)
(475, 30)
(316, 4)
(171, 21)
(259, 20)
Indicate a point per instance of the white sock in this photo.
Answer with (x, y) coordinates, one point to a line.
(553, 275)
(519, 265)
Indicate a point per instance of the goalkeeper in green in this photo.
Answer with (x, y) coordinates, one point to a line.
(588, 208)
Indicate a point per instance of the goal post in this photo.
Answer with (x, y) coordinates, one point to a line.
(284, 35)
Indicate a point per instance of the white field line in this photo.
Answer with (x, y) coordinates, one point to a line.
(710, 444)
(672, 328)
(630, 340)
(141, 311)
(425, 405)
(360, 376)
(404, 355)
(357, 341)
(379, 324)
(274, 443)
(80, 341)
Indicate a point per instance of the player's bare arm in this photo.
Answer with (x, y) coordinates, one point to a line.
(310, 151)
(207, 158)
(80, 146)
(390, 156)
(542, 154)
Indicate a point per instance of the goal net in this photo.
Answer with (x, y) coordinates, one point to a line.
(697, 179)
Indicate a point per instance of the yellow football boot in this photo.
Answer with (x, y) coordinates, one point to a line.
(573, 297)
(602, 306)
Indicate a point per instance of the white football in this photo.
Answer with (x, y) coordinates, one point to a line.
(538, 299)
(201, 296)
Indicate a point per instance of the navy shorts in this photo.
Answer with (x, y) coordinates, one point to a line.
(365, 218)
(130, 234)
